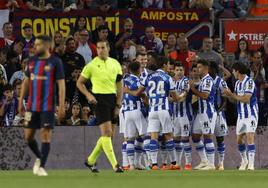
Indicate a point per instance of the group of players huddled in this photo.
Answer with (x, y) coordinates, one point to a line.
(158, 115)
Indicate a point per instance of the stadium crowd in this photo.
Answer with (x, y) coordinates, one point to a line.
(79, 48)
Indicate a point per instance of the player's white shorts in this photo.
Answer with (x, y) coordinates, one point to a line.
(182, 126)
(246, 125)
(122, 124)
(204, 125)
(136, 124)
(221, 128)
(160, 121)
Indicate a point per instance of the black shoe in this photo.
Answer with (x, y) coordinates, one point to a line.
(118, 169)
(93, 168)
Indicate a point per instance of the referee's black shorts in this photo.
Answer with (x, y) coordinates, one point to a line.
(105, 107)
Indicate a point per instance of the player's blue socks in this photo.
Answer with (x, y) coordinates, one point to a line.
(138, 151)
(154, 147)
(164, 152)
(251, 154)
(200, 148)
(45, 151)
(243, 151)
(130, 152)
(210, 150)
(170, 145)
(179, 151)
(221, 151)
(146, 148)
(187, 151)
(34, 147)
(124, 154)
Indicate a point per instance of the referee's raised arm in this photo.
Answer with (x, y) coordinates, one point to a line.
(105, 74)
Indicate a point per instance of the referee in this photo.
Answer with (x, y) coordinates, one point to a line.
(105, 74)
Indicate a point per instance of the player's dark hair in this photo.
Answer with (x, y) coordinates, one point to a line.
(178, 64)
(134, 67)
(194, 66)
(44, 38)
(171, 61)
(213, 65)
(152, 67)
(161, 61)
(7, 87)
(240, 67)
(203, 62)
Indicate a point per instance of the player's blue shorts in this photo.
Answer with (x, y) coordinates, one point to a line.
(37, 120)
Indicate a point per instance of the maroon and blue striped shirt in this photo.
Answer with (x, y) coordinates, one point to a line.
(43, 74)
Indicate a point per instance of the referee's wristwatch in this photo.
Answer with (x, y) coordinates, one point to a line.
(118, 106)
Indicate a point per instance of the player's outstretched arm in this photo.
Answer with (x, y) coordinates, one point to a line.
(182, 96)
(62, 88)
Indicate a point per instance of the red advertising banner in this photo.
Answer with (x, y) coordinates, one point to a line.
(252, 31)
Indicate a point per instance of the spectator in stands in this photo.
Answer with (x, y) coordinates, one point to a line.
(71, 59)
(217, 47)
(242, 53)
(208, 53)
(259, 8)
(14, 57)
(150, 41)
(76, 36)
(58, 44)
(80, 24)
(128, 33)
(28, 39)
(104, 5)
(75, 119)
(153, 4)
(65, 5)
(100, 21)
(183, 54)
(84, 4)
(129, 50)
(176, 4)
(86, 113)
(264, 51)
(239, 7)
(3, 74)
(257, 72)
(8, 106)
(171, 44)
(103, 32)
(126, 41)
(36, 5)
(8, 38)
(19, 75)
(85, 47)
(205, 4)
(129, 4)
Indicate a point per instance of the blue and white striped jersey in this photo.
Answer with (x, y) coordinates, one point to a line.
(219, 85)
(131, 102)
(159, 85)
(246, 110)
(184, 108)
(207, 106)
(143, 76)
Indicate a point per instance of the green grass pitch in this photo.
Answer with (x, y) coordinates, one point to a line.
(148, 179)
